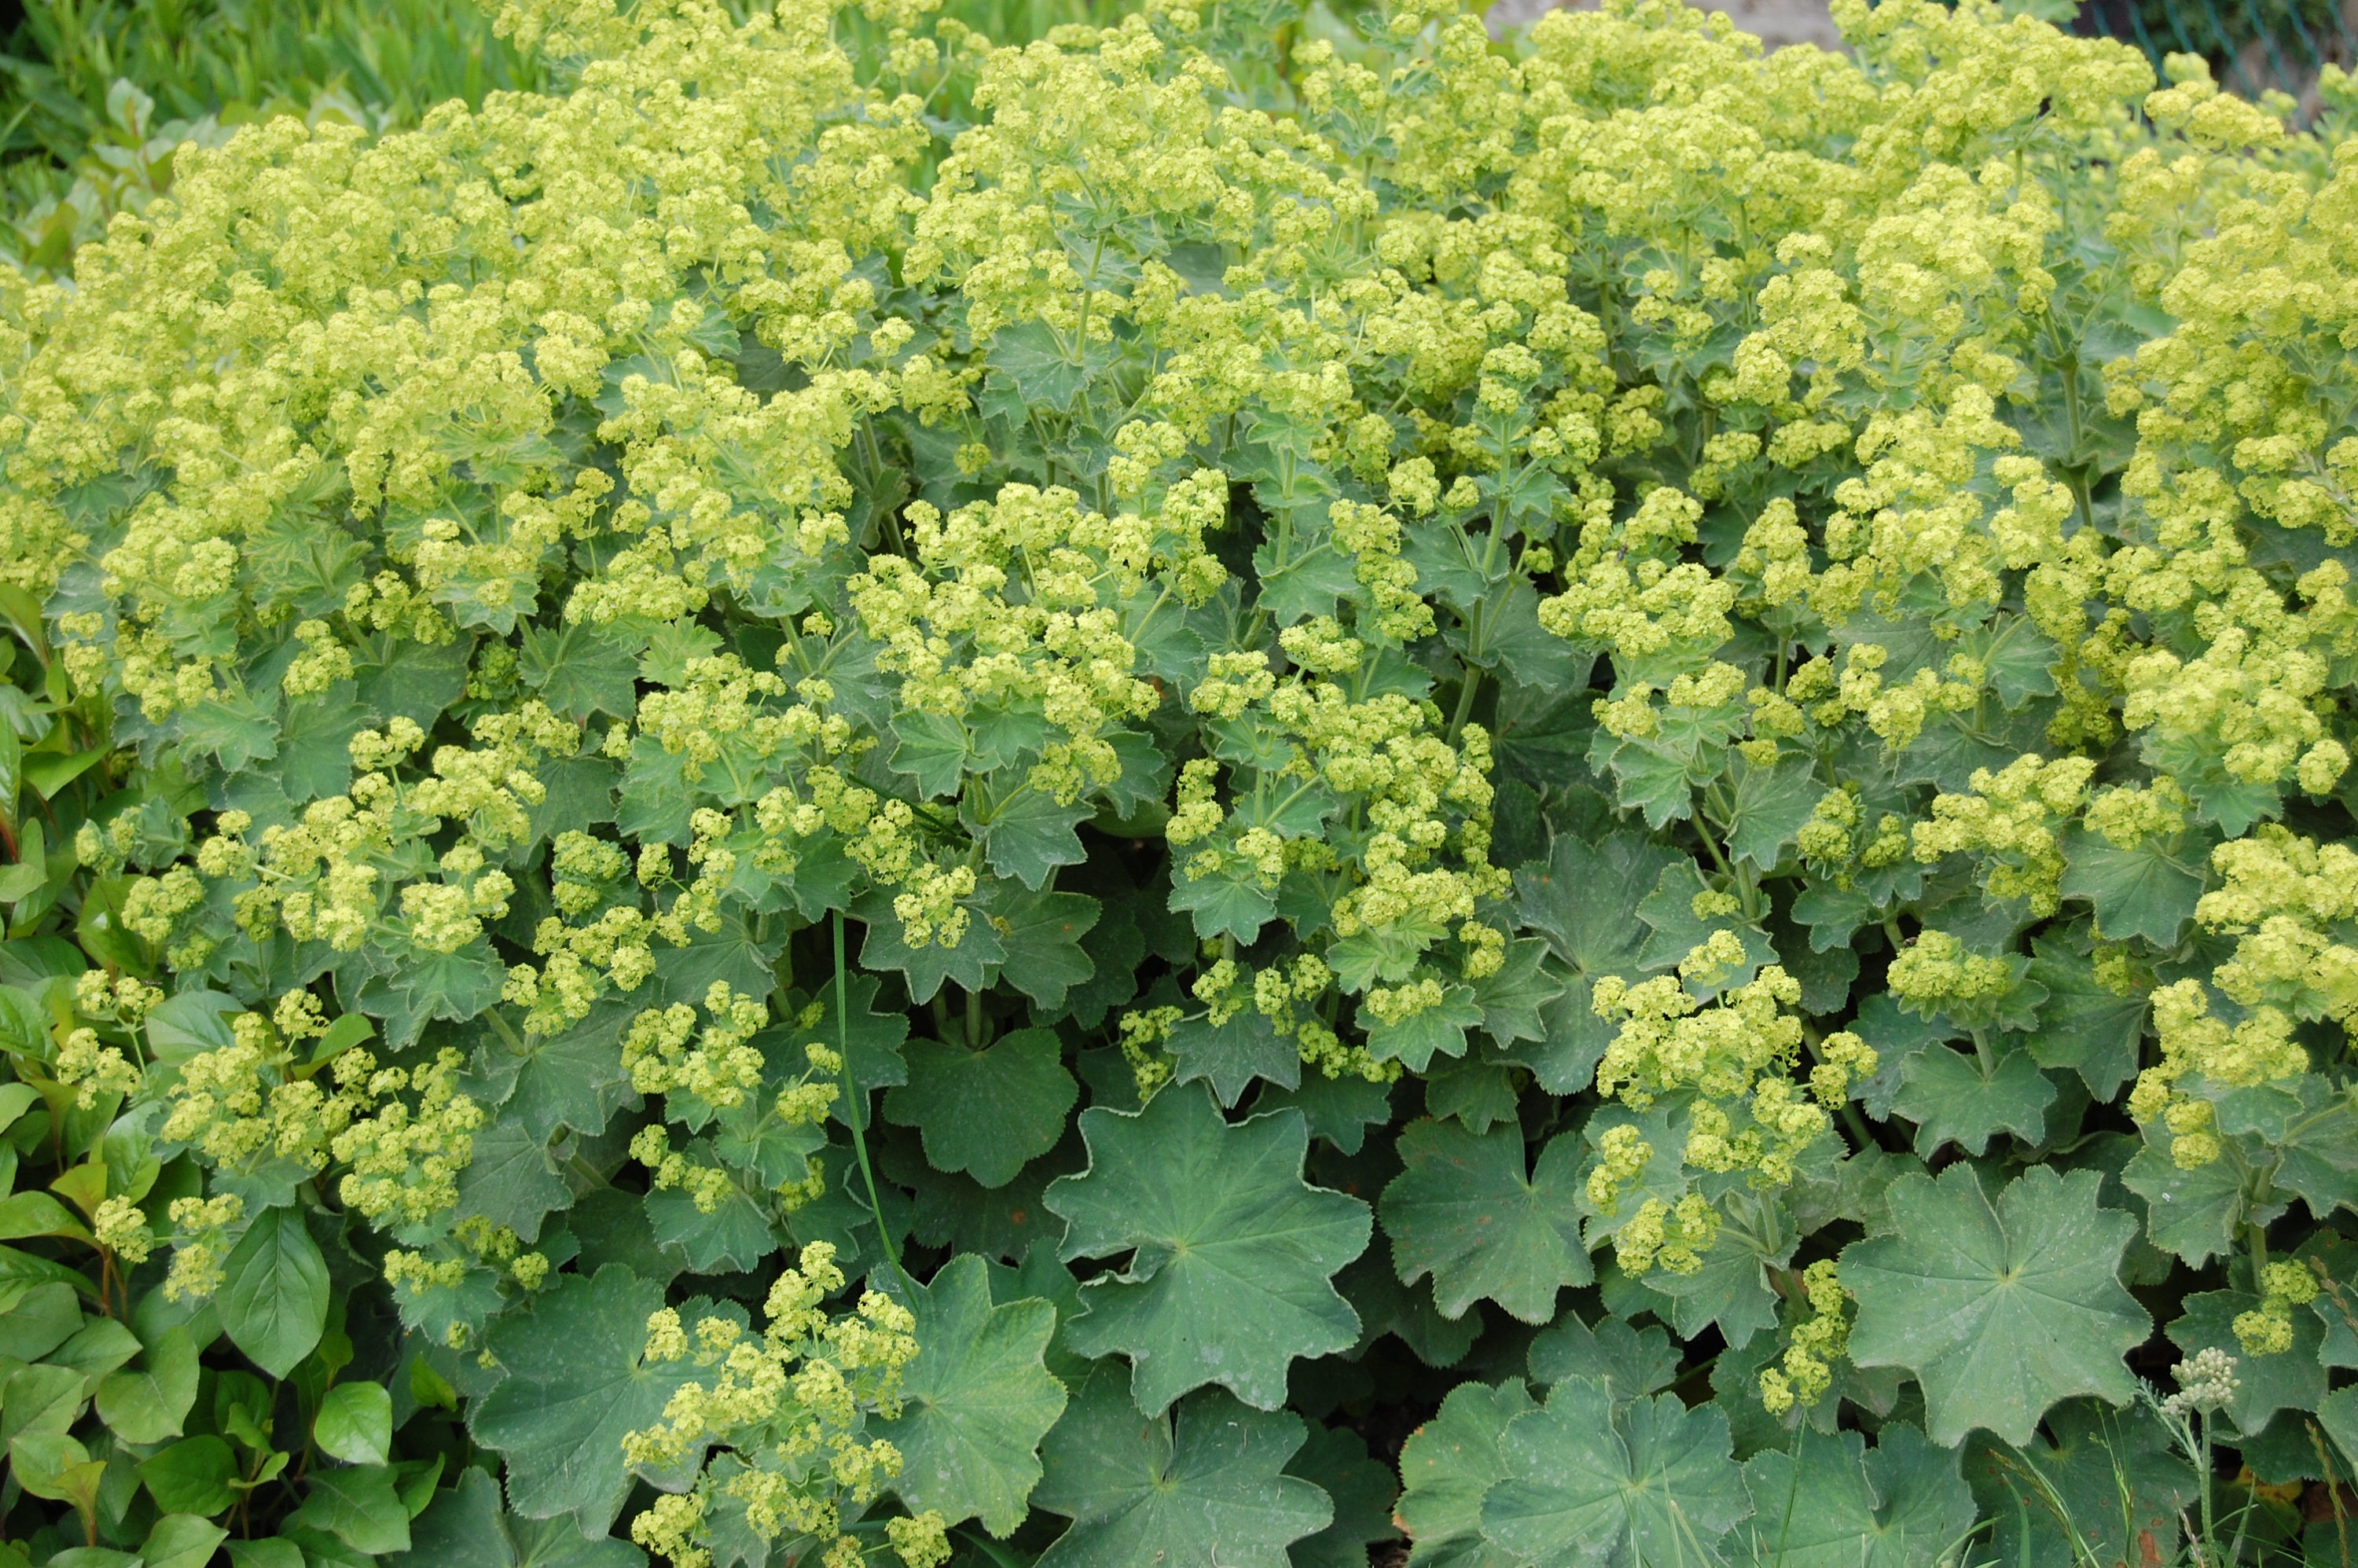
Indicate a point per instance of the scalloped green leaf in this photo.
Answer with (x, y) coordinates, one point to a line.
(973, 962)
(1028, 835)
(987, 1112)
(1416, 1040)
(1586, 1482)
(2001, 1309)
(1831, 1503)
(1964, 1097)
(1486, 1223)
(1230, 1253)
(2192, 1211)
(1042, 933)
(513, 1179)
(1447, 1467)
(1231, 1056)
(1223, 905)
(579, 670)
(1628, 1361)
(2149, 890)
(979, 1398)
(1203, 1483)
(1516, 998)
(2084, 1024)
(577, 1383)
(1768, 806)
(1582, 900)
(732, 1237)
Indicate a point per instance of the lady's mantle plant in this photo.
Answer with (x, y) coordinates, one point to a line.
(747, 816)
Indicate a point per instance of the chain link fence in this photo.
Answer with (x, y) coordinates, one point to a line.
(2254, 46)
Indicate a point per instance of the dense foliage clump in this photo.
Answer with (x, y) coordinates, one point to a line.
(850, 796)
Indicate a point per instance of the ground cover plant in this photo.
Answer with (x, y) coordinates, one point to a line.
(1228, 791)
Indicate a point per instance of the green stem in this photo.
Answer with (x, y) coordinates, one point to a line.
(2070, 366)
(851, 1110)
(1718, 858)
(1040, 434)
(1858, 1125)
(507, 1034)
(1081, 335)
(1466, 694)
(1285, 482)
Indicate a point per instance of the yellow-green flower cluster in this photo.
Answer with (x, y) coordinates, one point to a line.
(2198, 1046)
(1419, 796)
(251, 1101)
(666, 1052)
(406, 1157)
(1732, 1060)
(1140, 1035)
(1012, 604)
(92, 1069)
(2009, 820)
(708, 1186)
(1673, 1234)
(792, 1404)
(2266, 1329)
(2282, 896)
(199, 1245)
(1806, 1370)
(1937, 973)
(474, 1240)
(1669, 1040)
(120, 1227)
